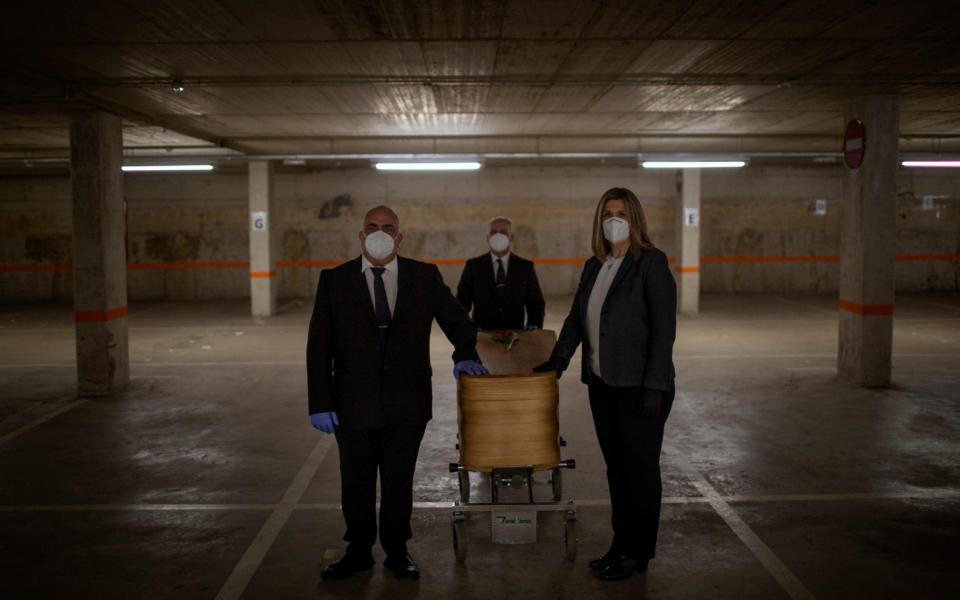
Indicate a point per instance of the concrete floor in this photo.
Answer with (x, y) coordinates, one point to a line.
(205, 478)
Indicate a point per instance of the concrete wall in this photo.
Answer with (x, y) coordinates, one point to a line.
(188, 239)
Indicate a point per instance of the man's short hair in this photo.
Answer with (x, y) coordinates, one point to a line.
(506, 220)
(387, 209)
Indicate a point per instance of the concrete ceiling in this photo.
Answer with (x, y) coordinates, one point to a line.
(433, 76)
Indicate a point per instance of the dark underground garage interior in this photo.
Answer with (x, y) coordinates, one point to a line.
(499, 299)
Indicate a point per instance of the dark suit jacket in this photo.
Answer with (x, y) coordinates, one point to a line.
(345, 370)
(638, 323)
(492, 310)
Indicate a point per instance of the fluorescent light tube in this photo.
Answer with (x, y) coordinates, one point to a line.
(693, 164)
(137, 168)
(428, 166)
(939, 164)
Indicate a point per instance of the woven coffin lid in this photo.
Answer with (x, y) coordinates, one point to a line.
(509, 421)
(530, 349)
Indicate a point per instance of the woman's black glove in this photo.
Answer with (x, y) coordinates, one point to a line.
(651, 402)
(550, 365)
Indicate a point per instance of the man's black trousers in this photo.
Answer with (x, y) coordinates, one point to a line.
(393, 452)
(631, 447)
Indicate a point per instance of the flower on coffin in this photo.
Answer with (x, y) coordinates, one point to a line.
(506, 337)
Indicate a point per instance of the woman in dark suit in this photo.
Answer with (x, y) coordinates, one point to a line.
(624, 315)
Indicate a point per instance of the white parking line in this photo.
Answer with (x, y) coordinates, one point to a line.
(132, 507)
(776, 567)
(906, 495)
(47, 417)
(832, 313)
(946, 494)
(250, 561)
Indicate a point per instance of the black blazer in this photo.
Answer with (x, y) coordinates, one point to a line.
(477, 290)
(638, 323)
(345, 370)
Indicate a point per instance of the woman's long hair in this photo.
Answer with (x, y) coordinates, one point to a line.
(639, 239)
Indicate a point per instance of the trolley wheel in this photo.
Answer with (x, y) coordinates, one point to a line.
(557, 481)
(463, 479)
(459, 529)
(570, 539)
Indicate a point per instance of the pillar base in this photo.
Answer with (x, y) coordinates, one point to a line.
(864, 356)
(102, 365)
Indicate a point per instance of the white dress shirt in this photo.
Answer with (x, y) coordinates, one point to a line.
(506, 262)
(389, 281)
(608, 271)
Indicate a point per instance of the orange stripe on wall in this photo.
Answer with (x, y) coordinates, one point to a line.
(200, 264)
(309, 263)
(576, 261)
(262, 274)
(867, 310)
(560, 261)
(927, 257)
(99, 316)
(34, 268)
(766, 259)
(687, 269)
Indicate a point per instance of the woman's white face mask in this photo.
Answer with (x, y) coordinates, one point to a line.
(499, 242)
(615, 230)
(379, 245)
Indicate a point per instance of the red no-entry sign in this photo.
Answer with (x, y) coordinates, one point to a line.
(854, 143)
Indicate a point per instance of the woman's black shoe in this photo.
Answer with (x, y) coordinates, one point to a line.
(621, 567)
(346, 566)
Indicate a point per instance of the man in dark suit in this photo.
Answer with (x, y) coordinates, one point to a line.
(499, 285)
(368, 379)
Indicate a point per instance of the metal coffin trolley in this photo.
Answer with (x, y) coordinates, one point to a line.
(509, 430)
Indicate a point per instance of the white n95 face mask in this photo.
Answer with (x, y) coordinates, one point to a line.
(379, 245)
(615, 230)
(499, 242)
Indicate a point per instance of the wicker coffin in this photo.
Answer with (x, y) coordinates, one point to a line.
(509, 418)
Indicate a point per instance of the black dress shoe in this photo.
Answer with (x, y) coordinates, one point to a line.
(402, 566)
(621, 567)
(599, 564)
(347, 566)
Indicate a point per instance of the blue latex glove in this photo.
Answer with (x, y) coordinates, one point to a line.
(325, 421)
(531, 328)
(470, 367)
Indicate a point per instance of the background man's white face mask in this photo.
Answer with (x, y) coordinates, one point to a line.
(499, 242)
(615, 230)
(379, 245)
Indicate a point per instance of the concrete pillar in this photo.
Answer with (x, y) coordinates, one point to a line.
(263, 274)
(99, 253)
(868, 246)
(687, 264)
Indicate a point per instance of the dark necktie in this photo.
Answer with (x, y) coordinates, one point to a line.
(501, 276)
(380, 306)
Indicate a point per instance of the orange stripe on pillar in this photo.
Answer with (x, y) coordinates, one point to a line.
(262, 274)
(99, 316)
(867, 310)
(687, 269)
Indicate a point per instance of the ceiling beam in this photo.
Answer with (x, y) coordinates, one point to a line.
(146, 118)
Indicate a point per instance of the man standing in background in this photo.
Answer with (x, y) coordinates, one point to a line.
(499, 285)
(368, 381)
